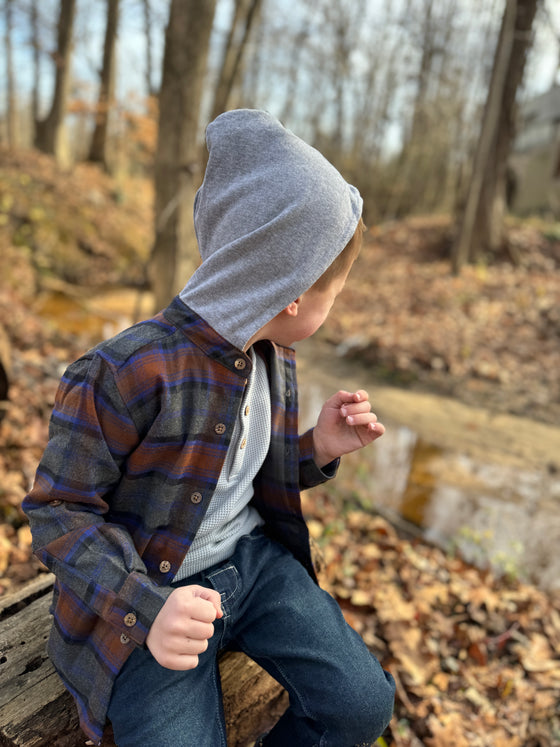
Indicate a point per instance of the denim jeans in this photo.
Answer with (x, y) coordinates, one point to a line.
(339, 695)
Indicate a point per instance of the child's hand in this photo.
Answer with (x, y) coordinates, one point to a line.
(183, 626)
(345, 424)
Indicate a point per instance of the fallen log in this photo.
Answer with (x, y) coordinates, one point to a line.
(37, 711)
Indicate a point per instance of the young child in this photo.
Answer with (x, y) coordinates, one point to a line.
(167, 500)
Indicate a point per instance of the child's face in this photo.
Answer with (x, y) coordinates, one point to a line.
(309, 313)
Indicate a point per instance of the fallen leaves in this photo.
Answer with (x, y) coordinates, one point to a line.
(476, 659)
(489, 335)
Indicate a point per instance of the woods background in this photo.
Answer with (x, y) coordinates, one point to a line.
(417, 102)
(446, 115)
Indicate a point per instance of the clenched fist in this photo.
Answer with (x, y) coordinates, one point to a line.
(183, 626)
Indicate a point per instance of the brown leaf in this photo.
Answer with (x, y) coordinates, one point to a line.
(537, 656)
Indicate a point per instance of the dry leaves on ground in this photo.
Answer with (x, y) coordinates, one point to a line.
(489, 336)
(476, 659)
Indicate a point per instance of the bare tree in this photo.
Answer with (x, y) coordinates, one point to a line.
(422, 164)
(338, 23)
(254, 61)
(98, 149)
(244, 14)
(10, 82)
(49, 132)
(147, 11)
(294, 68)
(177, 164)
(35, 43)
(481, 225)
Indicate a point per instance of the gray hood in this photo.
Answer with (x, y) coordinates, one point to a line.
(271, 215)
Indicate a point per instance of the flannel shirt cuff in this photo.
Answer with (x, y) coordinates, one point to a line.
(136, 606)
(309, 473)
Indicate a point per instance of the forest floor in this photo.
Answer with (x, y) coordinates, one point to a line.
(476, 657)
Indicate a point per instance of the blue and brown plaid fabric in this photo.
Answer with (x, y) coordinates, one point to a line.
(138, 436)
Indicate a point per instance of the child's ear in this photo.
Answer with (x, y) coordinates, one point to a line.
(293, 308)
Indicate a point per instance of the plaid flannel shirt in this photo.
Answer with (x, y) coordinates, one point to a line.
(138, 436)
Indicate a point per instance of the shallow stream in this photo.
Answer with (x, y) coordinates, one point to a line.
(470, 486)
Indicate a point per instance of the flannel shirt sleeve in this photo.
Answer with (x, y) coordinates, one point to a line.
(309, 473)
(91, 434)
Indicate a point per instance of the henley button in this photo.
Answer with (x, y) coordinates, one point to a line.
(240, 364)
(165, 566)
(124, 638)
(220, 428)
(196, 497)
(130, 620)
(55, 503)
(247, 409)
(243, 443)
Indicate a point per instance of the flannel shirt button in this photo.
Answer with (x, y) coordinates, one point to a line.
(240, 364)
(247, 410)
(130, 620)
(124, 638)
(243, 443)
(288, 393)
(165, 566)
(220, 428)
(55, 503)
(196, 497)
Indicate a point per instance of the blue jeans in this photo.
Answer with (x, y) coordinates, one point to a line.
(339, 694)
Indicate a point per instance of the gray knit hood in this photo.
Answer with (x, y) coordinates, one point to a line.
(271, 215)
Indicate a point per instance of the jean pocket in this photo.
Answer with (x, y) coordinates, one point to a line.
(226, 582)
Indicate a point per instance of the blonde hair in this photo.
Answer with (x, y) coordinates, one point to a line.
(344, 260)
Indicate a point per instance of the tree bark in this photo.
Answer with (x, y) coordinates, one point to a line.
(481, 226)
(50, 132)
(177, 164)
(244, 14)
(98, 150)
(36, 63)
(228, 56)
(11, 114)
(150, 90)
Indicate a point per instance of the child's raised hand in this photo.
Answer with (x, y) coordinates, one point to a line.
(183, 626)
(345, 424)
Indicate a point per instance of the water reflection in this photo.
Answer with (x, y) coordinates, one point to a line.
(494, 515)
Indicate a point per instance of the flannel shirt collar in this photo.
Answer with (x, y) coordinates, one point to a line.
(213, 344)
(207, 339)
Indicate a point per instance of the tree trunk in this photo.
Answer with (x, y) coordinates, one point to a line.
(177, 164)
(419, 126)
(255, 65)
(11, 113)
(98, 149)
(150, 90)
(228, 58)
(36, 63)
(244, 14)
(292, 77)
(50, 132)
(481, 227)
